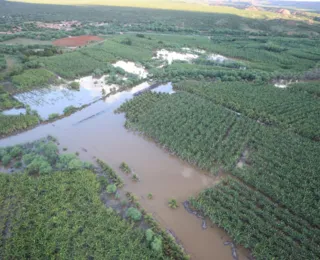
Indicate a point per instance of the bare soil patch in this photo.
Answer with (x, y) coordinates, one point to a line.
(77, 40)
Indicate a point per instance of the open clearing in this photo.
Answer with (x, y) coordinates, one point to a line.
(76, 41)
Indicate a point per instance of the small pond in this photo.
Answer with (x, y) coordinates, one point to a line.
(14, 111)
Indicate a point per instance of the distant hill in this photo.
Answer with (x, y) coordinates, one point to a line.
(297, 4)
(308, 5)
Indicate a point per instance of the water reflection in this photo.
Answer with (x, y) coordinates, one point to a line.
(14, 111)
(56, 98)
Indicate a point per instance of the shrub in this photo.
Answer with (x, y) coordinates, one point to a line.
(150, 196)
(156, 244)
(75, 85)
(75, 164)
(127, 41)
(149, 235)
(6, 159)
(39, 165)
(27, 159)
(49, 151)
(16, 151)
(64, 160)
(2, 153)
(135, 177)
(18, 164)
(111, 188)
(124, 203)
(173, 204)
(88, 165)
(134, 214)
(53, 116)
(125, 168)
(69, 110)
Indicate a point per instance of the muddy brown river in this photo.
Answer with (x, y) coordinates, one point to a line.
(97, 132)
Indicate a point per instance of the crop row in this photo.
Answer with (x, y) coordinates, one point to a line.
(270, 105)
(33, 78)
(312, 88)
(286, 168)
(116, 179)
(257, 223)
(71, 65)
(194, 128)
(280, 164)
(61, 215)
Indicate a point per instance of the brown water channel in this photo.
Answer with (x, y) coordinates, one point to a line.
(97, 132)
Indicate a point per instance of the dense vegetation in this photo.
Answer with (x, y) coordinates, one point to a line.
(312, 88)
(70, 190)
(40, 158)
(282, 165)
(115, 178)
(47, 215)
(202, 133)
(3, 62)
(258, 223)
(33, 78)
(269, 105)
(225, 117)
(14, 123)
(114, 18)
(7, 101)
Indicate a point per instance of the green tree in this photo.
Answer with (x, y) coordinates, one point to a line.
(134, 214)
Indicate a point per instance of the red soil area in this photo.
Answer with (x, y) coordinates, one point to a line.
(77, 40)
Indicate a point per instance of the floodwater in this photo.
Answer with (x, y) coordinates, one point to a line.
(14, 111)
(131, 67)
(284, 83)
(170, 56)
(96, 132)
(165, 88)
(194, 50)
(217, 58)
(56, 98)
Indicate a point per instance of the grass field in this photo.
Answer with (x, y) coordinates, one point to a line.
(25, 41)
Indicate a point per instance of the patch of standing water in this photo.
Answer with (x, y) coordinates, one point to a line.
(170, 56)
(14, 111)
(56, 98)
(131, 67)
(194, 50)
(158, 88)
(217, 57)
(160, 173)
(165, 88)
(284, 83)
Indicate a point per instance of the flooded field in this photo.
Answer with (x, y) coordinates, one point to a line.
(166, 88)
(131, 67)
(170, 56)
(96, 132)
(217, 58)
(57, 98)
(14, 111)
